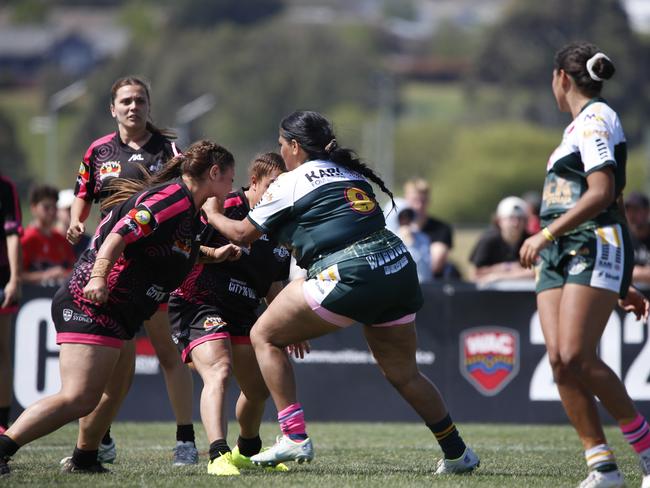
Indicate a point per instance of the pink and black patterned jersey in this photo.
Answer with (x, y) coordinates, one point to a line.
(162, 231)
(236, 287)
(10, 217)
(108, 157)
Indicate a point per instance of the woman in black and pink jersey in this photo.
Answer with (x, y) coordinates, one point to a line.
(212, 313)
(10, 265)
(143, 249)
(135, 149)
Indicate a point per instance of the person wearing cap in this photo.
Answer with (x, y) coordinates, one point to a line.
(583, 258)
(637, 211)
(63, 205)
(496, 255)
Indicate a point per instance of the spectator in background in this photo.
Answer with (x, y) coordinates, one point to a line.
(534, 201)
(10, 230)
(416, 195)
(496, 255)
(63, 205)
(417, 242)
(47, 256)
(637, 211)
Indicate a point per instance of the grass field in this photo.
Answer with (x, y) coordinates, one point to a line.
(355, 454)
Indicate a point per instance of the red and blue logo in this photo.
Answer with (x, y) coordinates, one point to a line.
(489, 358)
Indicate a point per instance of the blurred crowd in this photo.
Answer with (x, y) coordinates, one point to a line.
(47, 256)
(495, 255)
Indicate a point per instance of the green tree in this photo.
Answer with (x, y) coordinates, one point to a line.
(518, 54)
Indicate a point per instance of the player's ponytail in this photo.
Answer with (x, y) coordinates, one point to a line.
(315, 135)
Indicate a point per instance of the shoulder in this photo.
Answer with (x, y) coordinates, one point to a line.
(107, 139)
(597, 113)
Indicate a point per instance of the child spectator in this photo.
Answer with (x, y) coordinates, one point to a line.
(47, 256)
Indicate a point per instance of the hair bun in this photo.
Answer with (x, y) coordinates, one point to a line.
(600, 67)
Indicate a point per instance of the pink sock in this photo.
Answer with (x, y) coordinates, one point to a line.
(637, 433)
(292, 421)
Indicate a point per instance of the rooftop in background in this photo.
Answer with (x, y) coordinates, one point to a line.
(73, 39)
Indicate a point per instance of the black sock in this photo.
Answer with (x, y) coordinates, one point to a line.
(606, 468)
(7, 446)
(185, 433)
(106, 440)
(249, 447)
(218, 448)
(447, 435)
(84, 459)
(4, 417)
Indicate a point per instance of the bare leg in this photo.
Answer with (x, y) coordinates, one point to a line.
(212, 360)
(178, 377)
(85, 371)
(584, 312)
(286, 321)
(252, 399)
(92, 427)
(394, 349)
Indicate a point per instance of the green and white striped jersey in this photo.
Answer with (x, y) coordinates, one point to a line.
(318, 208)
(593, 141)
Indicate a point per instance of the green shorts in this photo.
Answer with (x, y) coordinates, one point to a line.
(600, 258)
(373, 281)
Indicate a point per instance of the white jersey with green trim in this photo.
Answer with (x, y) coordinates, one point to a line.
(318, 208)
(593, 141)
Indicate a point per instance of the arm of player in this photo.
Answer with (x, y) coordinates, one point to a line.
(237, 231)
(96, 289)
(599, 195)
(12, 288)
(79, 212)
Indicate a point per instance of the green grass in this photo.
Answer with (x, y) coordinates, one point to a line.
(355, 454)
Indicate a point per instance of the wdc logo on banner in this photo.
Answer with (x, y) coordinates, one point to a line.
(489, 357)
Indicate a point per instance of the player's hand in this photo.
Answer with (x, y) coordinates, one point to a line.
(299, 349)
(12, 293)
(636, 303)
(530, 249)
(96, 290)
(75, 231)
(229, 252)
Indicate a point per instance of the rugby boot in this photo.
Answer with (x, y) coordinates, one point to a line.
(285, 449)
(464, 464)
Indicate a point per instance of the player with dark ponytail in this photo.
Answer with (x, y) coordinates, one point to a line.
(325, 209)
(584, 259)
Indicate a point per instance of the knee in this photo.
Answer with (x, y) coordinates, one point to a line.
(400, 377)
(258, 337)
(568, 363)
(218, 374)
(82, 403)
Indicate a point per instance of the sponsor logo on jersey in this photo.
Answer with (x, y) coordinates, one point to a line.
(316, 174)
(82, 169)
(242, 288)
(109, 169)
(576, 265)
(157, 293)
(156, 166)
(143, 217)
(69, 314)
(489, 358)
(136, 157)
(281, 253)
(183, 246)
(360, 201)
(213, 321)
